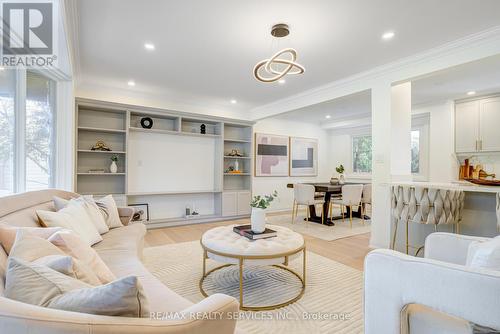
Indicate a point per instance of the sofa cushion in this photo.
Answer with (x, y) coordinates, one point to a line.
(90, 206)
(109, 209)
(29, 248)
(8, 233)
(424, 320)
(73, 217)
(42, 286)
(71, 244)
(484, 255)
(120, 249)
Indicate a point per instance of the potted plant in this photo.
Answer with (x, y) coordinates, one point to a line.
(113, 168)
(259, 204)
(340, 169)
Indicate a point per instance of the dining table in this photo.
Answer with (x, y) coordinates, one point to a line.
(331, 191)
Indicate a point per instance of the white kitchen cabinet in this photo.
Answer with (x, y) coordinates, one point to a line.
(466, 126)
(236, 203)
(489, 125)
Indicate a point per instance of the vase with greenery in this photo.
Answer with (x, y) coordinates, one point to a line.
(259, 205)
(340, 169)
(113, 168)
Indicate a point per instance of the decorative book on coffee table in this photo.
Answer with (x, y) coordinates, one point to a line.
(246, 231)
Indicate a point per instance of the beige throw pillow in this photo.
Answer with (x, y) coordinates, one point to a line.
(71, 244)
(31, 248)
(8, 234)
(39, 285)
(73, 217)
(109, 209)
(90, 206)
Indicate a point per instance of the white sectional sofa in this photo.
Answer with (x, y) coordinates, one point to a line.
(121, 250)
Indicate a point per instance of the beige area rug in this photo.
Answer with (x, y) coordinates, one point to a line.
(341, 229)
(333, 290)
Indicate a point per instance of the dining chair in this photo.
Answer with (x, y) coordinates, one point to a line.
(351, 196)
(366, 198)
(304, 194)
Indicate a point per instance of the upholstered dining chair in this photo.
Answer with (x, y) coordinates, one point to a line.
(351, 196)
(423, 205)
(366, 199)
(304, 194)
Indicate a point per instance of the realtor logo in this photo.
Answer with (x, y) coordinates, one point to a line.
(27, 28)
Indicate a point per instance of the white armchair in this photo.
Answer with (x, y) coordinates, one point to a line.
(434, 294)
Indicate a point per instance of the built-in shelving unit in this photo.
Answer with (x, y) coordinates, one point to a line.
(170, 166)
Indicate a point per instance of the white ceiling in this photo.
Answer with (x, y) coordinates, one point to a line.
(482, 76)
(206, 50)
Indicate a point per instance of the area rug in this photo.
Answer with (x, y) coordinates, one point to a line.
(332, 302)
(341, 229)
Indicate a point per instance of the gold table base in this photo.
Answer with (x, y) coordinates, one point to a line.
(256, 257)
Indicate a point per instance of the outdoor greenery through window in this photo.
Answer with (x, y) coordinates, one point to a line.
(362, 154)
(27, 125)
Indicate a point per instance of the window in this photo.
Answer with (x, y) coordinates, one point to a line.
(7, 126)
(415, 151)
(362, 154)
(27, 123)
(39, 132)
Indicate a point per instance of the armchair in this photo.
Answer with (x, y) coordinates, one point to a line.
(434, 294)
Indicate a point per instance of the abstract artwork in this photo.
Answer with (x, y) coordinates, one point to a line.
(303, 156)
(271, 155)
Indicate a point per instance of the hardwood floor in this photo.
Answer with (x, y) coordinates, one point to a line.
(350, 251)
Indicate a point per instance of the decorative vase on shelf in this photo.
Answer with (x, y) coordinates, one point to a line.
(341, 179)
(113, 168)
(258, 220)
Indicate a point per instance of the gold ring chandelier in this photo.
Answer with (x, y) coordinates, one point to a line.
(269, 70)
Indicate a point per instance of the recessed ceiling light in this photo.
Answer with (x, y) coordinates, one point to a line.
(388, 35)
(328, 116)
(131, 83)
(281, 81)
(2, 68)
(471, 92)
(233, 101)
(149, 46)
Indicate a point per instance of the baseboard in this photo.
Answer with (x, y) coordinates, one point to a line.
(181, 222)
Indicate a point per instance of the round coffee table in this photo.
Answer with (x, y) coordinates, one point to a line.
(223, 245)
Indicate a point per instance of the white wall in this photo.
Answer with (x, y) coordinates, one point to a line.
(266, 185)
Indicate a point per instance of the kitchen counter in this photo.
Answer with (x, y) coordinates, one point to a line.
(457, 185)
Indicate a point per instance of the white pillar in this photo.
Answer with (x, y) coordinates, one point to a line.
(391, 127)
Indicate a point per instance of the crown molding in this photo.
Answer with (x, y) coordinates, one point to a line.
(473, 47)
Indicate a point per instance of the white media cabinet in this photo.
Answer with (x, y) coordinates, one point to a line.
(170, 166)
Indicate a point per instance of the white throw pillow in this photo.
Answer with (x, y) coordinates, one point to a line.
(484, 254)
(71, 244)
(110, 211)
(73, 217)
(39, 285)
(93, 211)
(31, 248)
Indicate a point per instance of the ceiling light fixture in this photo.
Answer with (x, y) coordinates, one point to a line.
(282, 81)
(131, 83)
(328, 116)
(269, 70)
(471, 92)
(149, 46)
(388, 35)
(233, 101)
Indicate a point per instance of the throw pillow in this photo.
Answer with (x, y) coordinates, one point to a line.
(39, 285)
(484, 254)
(110, 211)
(8, 234)
(71, 244)
(89, 204)
(73, 217)
(32, 248)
